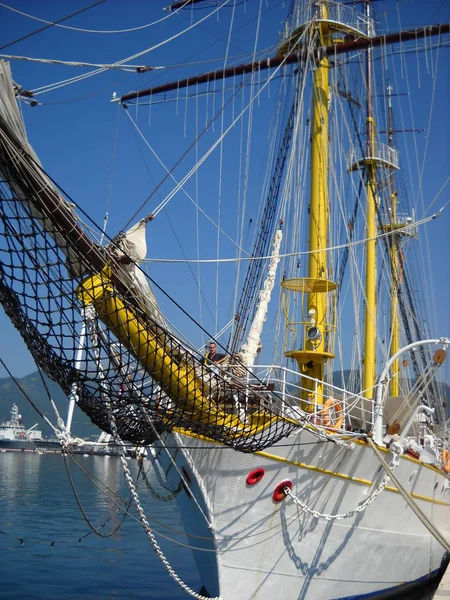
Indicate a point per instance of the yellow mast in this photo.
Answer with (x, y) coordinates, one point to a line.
(370, 324)
(317, 348)
(394, 388)
(311, 359)
(393, 255)
(318, 224)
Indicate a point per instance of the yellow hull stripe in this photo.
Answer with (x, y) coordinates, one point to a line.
(346, 477)
(403, 456)
(313, 468)
(328, 472)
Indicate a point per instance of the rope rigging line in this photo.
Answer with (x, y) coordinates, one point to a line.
(57, 85)
(50, 24)
(113, 158)
(131, 68)
(169, 173)
(220, 176)
(416, 171)
(68, 63)
(252, 281)
(299, 252)
(145, 522)
(245, 150)
(124, 507)
(413, 505)
(219, 140)
(104, 31)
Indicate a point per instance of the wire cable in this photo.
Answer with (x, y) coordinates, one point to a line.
(50, 24)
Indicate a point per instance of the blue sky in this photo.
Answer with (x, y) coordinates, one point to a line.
(91, 150)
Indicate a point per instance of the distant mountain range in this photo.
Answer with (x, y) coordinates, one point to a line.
(81, 426)
(35, 390)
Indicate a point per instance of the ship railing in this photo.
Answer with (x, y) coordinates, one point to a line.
(287, 398)
(339, 16)
(404, 224)
(381, 154)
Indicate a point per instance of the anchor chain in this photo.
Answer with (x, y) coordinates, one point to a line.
(153, 492)
(144, 521)
(339, 517)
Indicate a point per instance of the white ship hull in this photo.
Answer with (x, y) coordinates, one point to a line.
(259, 549)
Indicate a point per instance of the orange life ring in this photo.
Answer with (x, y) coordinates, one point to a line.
(446, 460)
(331, 403)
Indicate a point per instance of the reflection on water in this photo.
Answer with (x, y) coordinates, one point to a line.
(60, 558)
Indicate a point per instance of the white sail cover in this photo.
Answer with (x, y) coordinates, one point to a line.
(250, 348)
(129, 250)
(14, 138)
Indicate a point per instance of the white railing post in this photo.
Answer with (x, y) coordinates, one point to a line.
(74, 387)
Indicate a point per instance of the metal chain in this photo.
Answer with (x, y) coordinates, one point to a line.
(339, 517)
(132, 487)
(144, 521)
(153, 492)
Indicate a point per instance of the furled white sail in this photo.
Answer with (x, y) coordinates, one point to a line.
(28, 173)
(250, 348)
(129, 249)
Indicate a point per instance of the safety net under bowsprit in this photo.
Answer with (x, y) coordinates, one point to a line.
(90, 320)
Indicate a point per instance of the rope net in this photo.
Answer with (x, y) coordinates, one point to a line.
(91, 328)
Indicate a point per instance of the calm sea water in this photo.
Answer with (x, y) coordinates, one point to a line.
(59, 559)
(39, 507)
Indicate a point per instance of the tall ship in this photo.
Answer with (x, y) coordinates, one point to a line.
(14, 435)
(277, 352)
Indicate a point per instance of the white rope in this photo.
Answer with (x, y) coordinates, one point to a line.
(413, 505)
(103, 31)
(219, 140)
(297, 253)
(57, 85)
(415, 173)
(163, 203)
(220, 181)
(244, 165)
(68, 63)
(124, 67)
(144, 520)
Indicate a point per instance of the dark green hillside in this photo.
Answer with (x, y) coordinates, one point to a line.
(34, 388)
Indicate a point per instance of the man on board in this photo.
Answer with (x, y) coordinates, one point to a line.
(213, 355)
